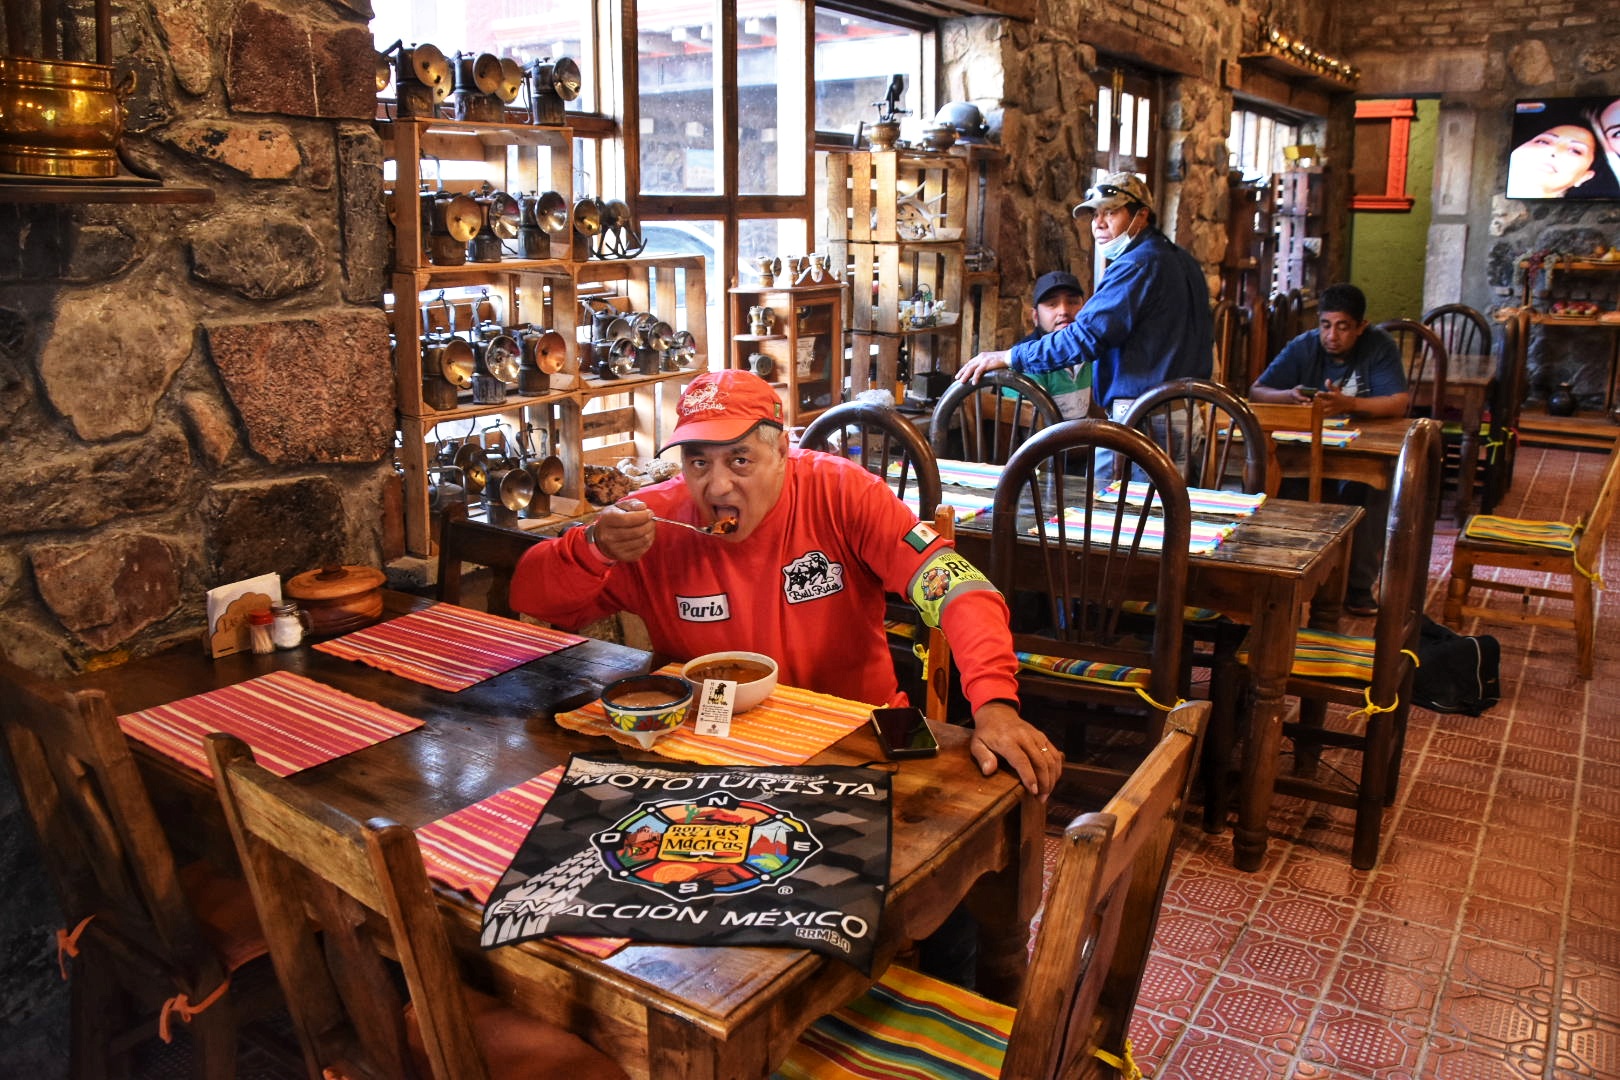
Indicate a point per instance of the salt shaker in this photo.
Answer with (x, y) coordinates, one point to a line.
(259, 632)
(289, 627)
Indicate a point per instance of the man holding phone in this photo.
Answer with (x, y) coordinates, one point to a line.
(1357, 370)
(812, 542)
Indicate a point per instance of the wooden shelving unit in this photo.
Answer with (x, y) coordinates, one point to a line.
(804, 353)
(617, 417)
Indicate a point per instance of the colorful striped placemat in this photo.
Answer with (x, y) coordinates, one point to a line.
(1205, 536)
(966, 504)
(1341, 437)
(290, 722)
(970, 474)
(447, 646)
(1202, 500)
(788, 728)
(470, 849)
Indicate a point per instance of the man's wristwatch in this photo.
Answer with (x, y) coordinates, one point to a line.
(590, 538)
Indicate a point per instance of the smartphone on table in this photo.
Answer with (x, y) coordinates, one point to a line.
(904, 733)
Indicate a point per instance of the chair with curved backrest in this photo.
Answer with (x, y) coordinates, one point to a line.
(493, 546)
(1554, 548)
(1424, 356)
(1467, 334)
(1501, 450)
(987, 421)
(1461, 329)
(1085, 969)
(1372, 676)
(1228, 445)
(144, 941)
(1071, 563)
(1229, 449)
(321, 881)
(885, 444)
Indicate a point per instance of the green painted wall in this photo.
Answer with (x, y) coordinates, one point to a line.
(1387, 249)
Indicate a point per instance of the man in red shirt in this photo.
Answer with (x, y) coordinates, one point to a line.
(813, 542)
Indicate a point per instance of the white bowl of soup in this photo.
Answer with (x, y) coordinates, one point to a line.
(647, 707)
(754, 673)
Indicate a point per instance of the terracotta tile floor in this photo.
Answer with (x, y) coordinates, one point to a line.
(1486, 943)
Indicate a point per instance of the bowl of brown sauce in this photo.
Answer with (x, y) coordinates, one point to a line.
(647, 707)
(754, 673)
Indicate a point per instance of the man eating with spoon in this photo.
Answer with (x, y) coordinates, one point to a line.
(798, 571)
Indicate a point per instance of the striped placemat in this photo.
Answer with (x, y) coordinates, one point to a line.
(1205, 536)
(290, 722)
(970, 474)
(447, 646)
(788, 728)
(1341, 437)
(966, 504)
(470, 849)
(1202, 500)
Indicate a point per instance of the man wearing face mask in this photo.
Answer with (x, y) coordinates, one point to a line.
(1147, 323)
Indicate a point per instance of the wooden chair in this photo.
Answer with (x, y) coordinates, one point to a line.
(145, 943)
(1372, 675)
(493, 546)
(1219, 422)
(1229, 448)
(1466, 333)
(990, 421)
(322, 882)
(1085, 971)
(1425, 357)
(886, 445)
(1070, 579)
(1231, 330)
(1282, 417)
(1566, 551)
(1502, 448)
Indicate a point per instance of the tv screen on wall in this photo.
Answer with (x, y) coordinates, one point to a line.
(1565, 148)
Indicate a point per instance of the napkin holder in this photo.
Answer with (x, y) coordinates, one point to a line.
(229, 607)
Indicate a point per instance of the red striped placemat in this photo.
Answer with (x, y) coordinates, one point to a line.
(290, 722)
(788, 728)
(471, 848)
(447, 646)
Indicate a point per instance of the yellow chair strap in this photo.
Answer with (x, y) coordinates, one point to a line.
(68, 944)
(1590, 575)
(181, 1006)
(1147, 697)
(1491, 447)
(1123, 1062)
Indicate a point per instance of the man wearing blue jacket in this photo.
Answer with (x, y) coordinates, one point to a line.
(1149, 320)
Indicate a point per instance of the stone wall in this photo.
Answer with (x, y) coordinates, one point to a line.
(1478, 57)
(189, 395)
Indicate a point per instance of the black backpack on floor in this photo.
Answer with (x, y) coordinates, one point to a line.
(1456, 673)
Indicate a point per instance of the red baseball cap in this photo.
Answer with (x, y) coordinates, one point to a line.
(723, 406)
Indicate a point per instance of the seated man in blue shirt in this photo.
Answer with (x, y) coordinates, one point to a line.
(1358, 370)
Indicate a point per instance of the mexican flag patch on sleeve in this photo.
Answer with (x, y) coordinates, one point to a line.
(921, 535)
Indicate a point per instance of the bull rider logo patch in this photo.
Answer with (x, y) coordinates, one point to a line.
(810, 577)
(796, 857)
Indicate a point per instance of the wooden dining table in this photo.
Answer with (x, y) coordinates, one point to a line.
(1369, 458)
(1284, 556)
(662, 1011)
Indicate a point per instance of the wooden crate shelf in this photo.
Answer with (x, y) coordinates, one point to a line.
(872, 195)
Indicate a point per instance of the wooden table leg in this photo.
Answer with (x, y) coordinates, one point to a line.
(1276, 615)
(1004, 903)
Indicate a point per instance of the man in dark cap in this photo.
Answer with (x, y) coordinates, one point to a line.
(1059, 297)
(1149, 321)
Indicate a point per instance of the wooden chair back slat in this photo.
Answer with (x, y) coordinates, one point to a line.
(1590, 545)
(494, 546)
(1462, 330)
(881, 440)
(990, 419)
(1220, 424)
(1283, 417)
(1426, 360)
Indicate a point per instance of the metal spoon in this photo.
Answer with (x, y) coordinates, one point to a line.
(714, 528)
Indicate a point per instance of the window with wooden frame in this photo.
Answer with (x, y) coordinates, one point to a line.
(1129, 104)
(1383, 134)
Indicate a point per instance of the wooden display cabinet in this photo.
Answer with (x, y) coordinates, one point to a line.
(802, 348)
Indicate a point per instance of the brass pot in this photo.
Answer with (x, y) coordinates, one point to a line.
(60, 117)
